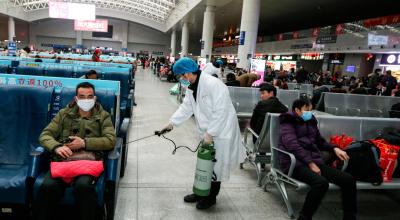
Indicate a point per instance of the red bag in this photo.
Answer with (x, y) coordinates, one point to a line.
(342, 141)
(70, 169)
(388, 158)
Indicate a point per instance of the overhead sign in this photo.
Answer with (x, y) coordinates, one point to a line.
(301, 46)
(242, 37)
(75, 11)
(374, 40)
(390, 59)
(12, 48)
(326, 39)
(97, 25)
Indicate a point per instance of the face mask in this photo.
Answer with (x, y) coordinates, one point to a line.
(184, 82)
(85, 104)
(307, 115)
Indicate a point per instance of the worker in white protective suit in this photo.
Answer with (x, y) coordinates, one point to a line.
(207, 98)
(214, 68)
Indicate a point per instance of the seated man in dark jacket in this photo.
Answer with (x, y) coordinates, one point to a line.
(269, 103)
(300, 136)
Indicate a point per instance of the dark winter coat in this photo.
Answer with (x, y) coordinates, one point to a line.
(272, 105)
(301, 139)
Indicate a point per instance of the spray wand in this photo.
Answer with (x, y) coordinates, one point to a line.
(161, 133)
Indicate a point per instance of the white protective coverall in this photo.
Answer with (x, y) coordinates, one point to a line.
(214, 114)
(210, 69)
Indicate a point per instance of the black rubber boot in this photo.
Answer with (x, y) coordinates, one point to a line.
(207, 202)
(191, 198)
(211, 200)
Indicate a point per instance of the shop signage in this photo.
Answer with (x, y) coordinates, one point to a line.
(390, 59)
(282, 57)
(337, 61)
(312, 56)
(326, 39)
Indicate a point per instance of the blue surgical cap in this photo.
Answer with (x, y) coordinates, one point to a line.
(185, 65)
(220, 62)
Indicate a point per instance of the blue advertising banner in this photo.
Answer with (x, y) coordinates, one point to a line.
(56, 82)
(242, 37)
(12, 48)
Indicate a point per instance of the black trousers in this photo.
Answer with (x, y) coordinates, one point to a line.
(215, 187)
(52, 191)
(319, 186)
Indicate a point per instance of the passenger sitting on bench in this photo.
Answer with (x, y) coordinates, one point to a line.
(92, 74)
(268, 104)
(81, 128)
(300, 136)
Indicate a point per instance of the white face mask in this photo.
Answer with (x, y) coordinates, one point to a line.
(85, 104)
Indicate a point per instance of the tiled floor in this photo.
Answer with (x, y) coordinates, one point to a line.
(156, 181)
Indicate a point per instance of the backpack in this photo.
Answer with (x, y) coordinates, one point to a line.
(391, 135)
(364, 162)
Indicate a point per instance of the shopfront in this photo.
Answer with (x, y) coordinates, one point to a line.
(391, 62)
(312, 62)
(281, 62)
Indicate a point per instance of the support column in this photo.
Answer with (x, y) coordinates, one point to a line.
(208, 32)
(248, 31)
(185, 39)
(11, 29)
(173, 43)
(125, 34)
(32, 35)
(79, 38)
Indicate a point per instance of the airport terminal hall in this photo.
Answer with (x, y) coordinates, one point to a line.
(199, 110)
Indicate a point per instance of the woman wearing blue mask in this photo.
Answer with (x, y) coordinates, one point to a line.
(300, 136)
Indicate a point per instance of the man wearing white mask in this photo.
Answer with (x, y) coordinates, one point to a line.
(207, 98)
(80, 131)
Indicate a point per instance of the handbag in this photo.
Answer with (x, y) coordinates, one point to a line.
(81, 155)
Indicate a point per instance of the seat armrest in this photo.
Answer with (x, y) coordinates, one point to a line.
(123, 130)
(292, 159)
(37, 161)
(246, 131)
(113, 162)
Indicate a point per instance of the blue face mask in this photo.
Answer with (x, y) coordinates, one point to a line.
(307, 115)
(184, 82)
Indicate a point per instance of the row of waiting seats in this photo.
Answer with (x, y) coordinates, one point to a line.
(125, 79)
(245, 99)
(24, 113)
(360, 128)
(356, 105)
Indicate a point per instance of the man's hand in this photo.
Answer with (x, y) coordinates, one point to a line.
(63, 151)
(207, 138)
(314, 168)
(76, 144)
(341, 154)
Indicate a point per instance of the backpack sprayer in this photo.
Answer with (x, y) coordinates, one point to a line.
(204, 166)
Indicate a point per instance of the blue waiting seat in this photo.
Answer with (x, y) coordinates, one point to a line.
(3, 69)
(24, 112)
(106, 186)
(60, 73)
(30, 70)
(126, 102)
